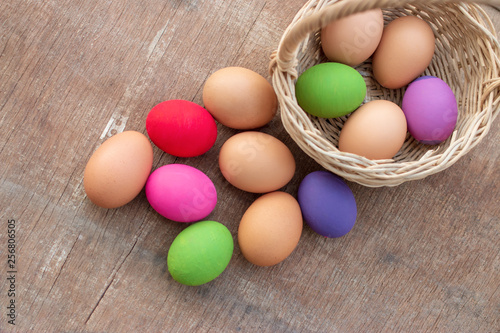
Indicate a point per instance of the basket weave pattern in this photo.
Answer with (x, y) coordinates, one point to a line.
(466, 57)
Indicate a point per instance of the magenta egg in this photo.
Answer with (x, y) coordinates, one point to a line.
(431, 110)
(181, 193)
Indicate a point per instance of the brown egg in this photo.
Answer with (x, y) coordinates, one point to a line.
(377, 130)
(353, 39)
(256, 162)
(405, 51)
(270, 229)
(118, 169)
(240, 98)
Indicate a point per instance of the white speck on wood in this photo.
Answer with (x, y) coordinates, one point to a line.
(155, 40)
(116, 124)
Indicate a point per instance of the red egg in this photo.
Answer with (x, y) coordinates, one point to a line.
(181, 128)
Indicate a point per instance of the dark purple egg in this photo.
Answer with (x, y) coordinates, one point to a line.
(327, 203)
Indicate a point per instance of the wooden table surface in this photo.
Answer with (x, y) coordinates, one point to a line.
(423, 256)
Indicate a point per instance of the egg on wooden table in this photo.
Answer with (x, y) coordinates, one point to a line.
(181, 128)
(327, 204)
(270, 229)
(117, 171)
(181, 193)
(200, 253)
(256, 162)
(240, 98)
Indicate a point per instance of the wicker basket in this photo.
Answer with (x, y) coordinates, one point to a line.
(466, 57)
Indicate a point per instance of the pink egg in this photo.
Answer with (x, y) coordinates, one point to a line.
(181, 193)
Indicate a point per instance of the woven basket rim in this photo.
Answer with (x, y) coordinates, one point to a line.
(375, 173)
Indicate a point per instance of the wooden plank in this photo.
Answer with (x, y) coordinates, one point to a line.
(422, 256)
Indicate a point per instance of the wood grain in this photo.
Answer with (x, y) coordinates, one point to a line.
(422, 257)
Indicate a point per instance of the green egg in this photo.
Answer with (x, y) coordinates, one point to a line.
(200, 253)
(330, 90)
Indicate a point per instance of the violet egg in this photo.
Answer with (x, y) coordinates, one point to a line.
(430, 108)
(327, 203)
